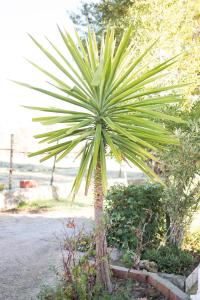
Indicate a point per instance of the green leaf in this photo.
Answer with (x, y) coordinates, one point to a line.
(113, 148)
(58, 96)
(112, 104)
(158, 115)
(82, 169)
(84, 85)
(55, 62)
(89, 176)
(98, 74)
(129, 135)
(131, 68)
(48, 149)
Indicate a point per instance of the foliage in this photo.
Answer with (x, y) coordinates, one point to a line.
(78, 281)
(181, 174)
(49, 293)
(102, 13)
(122, 290)
(191, 242)
(170, 259)
(2, 187)
(85, 243)
(129, 209)
(81, 241)
(128, 258)
(174, 22)
(78, 278)
(106, 84)
(114, 101)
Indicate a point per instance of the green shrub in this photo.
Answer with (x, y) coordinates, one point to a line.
(170, 259)
(129, 208)
(191, 242)
(2, 187)
(128, 258)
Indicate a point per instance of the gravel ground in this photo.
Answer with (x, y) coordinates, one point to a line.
(29, 251)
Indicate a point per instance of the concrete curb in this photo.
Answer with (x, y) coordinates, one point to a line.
(168, 289)
(192, 279)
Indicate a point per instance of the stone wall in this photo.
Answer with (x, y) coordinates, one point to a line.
(11, 198)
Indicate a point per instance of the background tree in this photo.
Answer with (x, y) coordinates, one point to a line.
(181, 173)
(175, 23)
(100, 14)
(114, 102)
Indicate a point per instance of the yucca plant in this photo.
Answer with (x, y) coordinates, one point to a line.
(115, 111)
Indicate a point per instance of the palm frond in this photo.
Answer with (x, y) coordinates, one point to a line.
(116, 103)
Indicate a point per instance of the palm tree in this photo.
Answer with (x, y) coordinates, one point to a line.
(114, 110)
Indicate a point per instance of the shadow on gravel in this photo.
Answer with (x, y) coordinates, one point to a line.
(30, 252)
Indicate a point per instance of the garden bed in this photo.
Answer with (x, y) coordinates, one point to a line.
(161, 285)
(123, 289)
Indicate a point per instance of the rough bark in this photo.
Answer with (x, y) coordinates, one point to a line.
(168, 228)
(176, 234)
(103, 270)
(175, 231)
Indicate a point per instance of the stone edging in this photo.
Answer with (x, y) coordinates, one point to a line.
(192, 279)
(168, 289)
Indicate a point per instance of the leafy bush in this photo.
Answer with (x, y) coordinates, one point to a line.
(170, 259)
(130, 208)
(78, 279)
(123, 289)
(191, 242)
(181, 174)
(2, 187)
(128, 258)
(81, 241)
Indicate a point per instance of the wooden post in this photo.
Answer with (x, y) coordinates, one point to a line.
(55, 194)
(120, 171)
(11, 162)
(53, 170)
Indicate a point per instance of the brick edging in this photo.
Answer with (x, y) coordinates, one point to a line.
(168, 289)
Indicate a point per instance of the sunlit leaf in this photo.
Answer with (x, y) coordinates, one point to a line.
(115, 104)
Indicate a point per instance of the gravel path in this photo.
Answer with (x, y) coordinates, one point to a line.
(29, 250)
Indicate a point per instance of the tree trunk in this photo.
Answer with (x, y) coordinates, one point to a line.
(176, 234)
(168, 228)
(175, 231)
(103, 271)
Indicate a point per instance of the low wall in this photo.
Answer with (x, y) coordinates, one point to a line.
(11, 198)
(169, 290)
(192, 279)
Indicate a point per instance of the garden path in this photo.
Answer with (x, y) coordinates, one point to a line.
(29, 251)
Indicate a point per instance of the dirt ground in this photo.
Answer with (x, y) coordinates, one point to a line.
(30, 251)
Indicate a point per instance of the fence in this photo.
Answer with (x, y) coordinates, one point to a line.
(50, 171)
(11, 153)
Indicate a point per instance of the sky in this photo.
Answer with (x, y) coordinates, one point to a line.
(17, 18)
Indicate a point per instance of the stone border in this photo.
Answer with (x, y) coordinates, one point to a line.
(192, 279)
(168, 289)
(11, 198)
